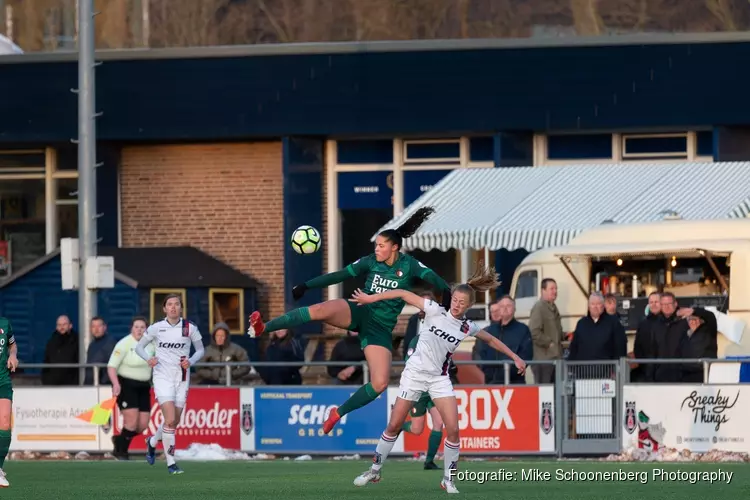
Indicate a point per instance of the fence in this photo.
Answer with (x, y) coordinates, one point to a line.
(590, 409)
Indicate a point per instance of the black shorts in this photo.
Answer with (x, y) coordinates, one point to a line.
(134, 394)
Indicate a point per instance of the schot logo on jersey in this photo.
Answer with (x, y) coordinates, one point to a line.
(171, 345)
(444, 335)
(465, 328)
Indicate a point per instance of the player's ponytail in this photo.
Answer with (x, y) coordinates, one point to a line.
(484, 279)
(408, 228)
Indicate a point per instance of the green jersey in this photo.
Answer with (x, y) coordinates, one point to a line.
(381, 277)
(6, 340)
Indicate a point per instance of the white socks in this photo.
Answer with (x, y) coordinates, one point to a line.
(154, 440)
(450, 459)
(167, 441)
(385, 445)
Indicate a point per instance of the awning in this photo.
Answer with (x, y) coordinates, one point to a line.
(540, 207)
(685, 248)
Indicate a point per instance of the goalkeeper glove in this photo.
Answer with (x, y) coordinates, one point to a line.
(298, 291)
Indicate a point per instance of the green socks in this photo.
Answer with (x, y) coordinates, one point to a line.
(291, 319)
(363, 397)
(436, 437)
(4, 446)
(407, 426)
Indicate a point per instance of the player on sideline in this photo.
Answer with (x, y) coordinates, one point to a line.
(386, 269)
(173, 336)
(427, 367)
(8, 364)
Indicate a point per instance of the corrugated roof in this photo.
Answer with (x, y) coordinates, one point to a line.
(538, 207)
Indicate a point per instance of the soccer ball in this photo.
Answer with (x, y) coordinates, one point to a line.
(306, 240)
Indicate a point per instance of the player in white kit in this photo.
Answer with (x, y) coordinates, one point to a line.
(173, 337)
(427, 368)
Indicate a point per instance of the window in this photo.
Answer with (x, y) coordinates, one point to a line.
(647, 147)
(443, 263)
(67, 208)
(527, 285)
(227, 305)
(157, 299)
(434, 152)
(22, 221)
(579, 147)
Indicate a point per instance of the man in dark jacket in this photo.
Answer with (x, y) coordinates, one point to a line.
(283, 347)
(700, 341)
(644, 346)
(348, 350)
(99, 351)
(597, 336)
(512, 333)
(669, 336)
(62, 347)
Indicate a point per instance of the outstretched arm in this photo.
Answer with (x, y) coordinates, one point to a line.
(410, 298)
(496, 344)
(353, 270)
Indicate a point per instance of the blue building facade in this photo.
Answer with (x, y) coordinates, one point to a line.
(366, 129)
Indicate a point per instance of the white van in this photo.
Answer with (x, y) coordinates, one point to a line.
(704, 262)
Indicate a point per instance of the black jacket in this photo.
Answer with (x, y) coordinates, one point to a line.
(348, 349)
(597, 341)
(288, 349)
(701, 344)
(100, 350)
(645, 348)
(669, 334)
(61, 349)
(517, 337)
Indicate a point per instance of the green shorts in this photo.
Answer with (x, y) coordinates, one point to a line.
(370, 332)
(6, 392)
(422, 406)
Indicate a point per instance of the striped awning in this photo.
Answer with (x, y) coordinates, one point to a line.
(538, 207)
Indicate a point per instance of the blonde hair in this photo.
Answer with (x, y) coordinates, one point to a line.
(484, 279)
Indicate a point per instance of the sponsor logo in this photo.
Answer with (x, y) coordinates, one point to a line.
(380, 284)
(399, 273)
(311, 414)
(377, 459)
(247, 418)
(445, 335)
(171, 345)
(546, 420)
(712, 409)
(630, 424)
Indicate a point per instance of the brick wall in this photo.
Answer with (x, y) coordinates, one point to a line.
(235, 212)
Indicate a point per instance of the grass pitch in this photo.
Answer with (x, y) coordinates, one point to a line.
(319, 479)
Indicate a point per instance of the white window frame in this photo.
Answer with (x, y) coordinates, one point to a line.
(541, 152)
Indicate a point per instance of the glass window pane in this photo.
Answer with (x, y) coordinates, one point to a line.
(22, 221)
(67, 221)
(67, 189)
(226, 309)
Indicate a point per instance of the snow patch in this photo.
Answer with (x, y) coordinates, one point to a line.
(214, 452)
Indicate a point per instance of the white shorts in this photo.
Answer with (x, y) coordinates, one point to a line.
(413, 384)
(171, 390)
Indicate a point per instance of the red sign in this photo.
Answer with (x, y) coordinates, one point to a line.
(490, 418)
(211, 416)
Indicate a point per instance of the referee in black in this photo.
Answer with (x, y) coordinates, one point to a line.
(131, 384)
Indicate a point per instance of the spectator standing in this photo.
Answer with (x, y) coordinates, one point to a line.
(61, 348)
(513, 334)
(99, 351)
(699, 342)
(283, 347)
(546, 333)
(669, 337)
(348, 350)
(644, 346)
(223, 350)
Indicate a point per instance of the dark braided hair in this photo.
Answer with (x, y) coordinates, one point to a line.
(409, 227)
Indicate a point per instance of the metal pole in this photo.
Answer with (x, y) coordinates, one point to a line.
(86, 172)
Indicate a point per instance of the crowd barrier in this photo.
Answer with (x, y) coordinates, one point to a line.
(493, 419)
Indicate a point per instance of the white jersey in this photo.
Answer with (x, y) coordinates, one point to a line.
(439, 336)
(172, 345)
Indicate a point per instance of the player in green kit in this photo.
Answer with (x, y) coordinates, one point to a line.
(8, 364)
(386, 269)
(419, 416)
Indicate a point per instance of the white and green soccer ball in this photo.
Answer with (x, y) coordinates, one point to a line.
(306, 240)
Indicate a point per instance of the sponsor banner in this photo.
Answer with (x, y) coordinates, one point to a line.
(44, 419)
(290, 419)
(494, 419)
(698, 418)
(211, 416)
(247, 419)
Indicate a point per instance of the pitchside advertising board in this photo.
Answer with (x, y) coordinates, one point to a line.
(698, 418)
(492, 419)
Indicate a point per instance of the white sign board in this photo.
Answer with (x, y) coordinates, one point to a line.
(45, 420)
(698, 418)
